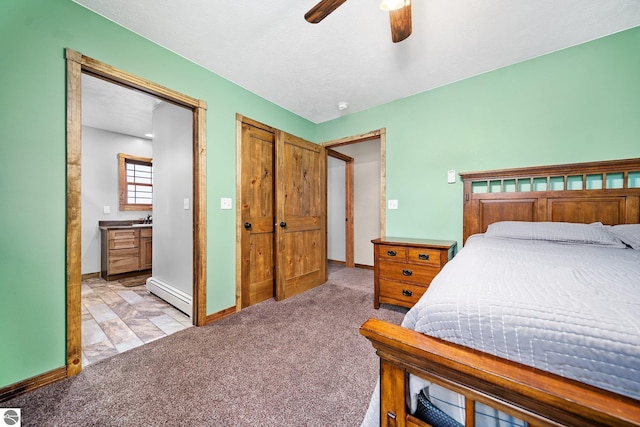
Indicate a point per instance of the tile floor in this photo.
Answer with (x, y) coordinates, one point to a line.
(116, 319)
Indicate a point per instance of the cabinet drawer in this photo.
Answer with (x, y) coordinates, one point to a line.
(419, 274)
(425, 256)
(392, 253)
(123, 244)
(123, 260)
(404, 294)
(123, 234)
(146, 232)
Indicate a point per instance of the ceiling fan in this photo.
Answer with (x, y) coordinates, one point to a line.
(399, 14)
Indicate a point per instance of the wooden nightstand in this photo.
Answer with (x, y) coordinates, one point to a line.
(404, 268)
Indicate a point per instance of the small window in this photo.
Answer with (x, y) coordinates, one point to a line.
(136, 183)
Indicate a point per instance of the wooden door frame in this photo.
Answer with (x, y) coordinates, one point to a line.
(76, 65)
(380, 134)
(348, 177)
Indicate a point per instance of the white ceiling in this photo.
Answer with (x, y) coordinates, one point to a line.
(115, 108)
(268, 48)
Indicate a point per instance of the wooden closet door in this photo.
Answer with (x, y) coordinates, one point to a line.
(301, 215)
(257, 205)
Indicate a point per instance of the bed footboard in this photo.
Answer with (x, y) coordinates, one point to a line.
(537, 397)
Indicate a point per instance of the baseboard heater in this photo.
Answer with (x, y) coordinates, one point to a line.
(173, 296)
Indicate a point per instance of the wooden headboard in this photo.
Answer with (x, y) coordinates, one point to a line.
(607, 191)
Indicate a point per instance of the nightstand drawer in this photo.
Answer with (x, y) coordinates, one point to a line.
(392, 253)
(419, 274)
(424, 256)
(403, 293)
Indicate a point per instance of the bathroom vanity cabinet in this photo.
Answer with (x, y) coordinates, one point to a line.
(126, 250)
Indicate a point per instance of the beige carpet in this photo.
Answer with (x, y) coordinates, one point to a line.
(297, 362)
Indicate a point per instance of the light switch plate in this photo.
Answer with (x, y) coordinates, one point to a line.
(451, 176)
(225, 203)
(106, 209)
(392, 204)
(186, 204)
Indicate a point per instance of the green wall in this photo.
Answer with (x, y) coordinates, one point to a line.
(578, 104)
(34, 35)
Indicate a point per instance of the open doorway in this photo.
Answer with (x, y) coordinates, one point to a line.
(340, 208)
(365, 200)
(136, 231)
(77, 64)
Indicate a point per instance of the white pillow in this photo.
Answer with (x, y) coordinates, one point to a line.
(557, 232)
(628, 233)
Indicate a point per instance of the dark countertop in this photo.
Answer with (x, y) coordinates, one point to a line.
(112, 225)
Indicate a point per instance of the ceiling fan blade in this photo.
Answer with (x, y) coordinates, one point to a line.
(321, 10)
(400, 23)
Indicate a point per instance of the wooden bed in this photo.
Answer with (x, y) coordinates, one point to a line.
(608, 192)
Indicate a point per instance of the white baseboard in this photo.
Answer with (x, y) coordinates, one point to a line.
(173, 296)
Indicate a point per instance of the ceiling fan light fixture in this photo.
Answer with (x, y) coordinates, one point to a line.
(393, 4)
(399, 15)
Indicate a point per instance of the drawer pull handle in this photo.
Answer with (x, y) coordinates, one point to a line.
(391, 253)
(407, 272)
(406, 293)
(423, 257)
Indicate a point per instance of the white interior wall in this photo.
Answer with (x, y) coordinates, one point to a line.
(366, 199)
(99, 182)
(173, 184)
(336, 210)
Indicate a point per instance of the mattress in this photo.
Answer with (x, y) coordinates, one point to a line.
(573, 310)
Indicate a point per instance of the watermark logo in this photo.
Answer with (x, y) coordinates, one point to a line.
(10, 417)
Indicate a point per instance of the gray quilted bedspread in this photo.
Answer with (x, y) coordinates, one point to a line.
(573, 310)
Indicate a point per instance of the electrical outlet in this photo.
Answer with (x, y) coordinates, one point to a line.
(225, 203)
(392, 204)
(451, 176)
(106, 209)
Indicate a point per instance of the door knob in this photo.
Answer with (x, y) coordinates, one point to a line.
(283, 224)
(247, 225)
